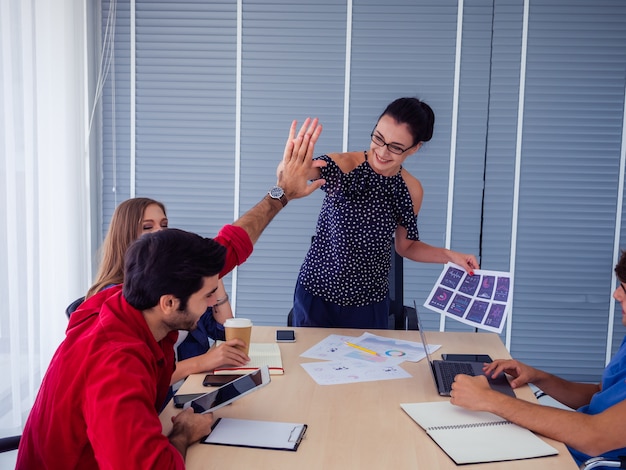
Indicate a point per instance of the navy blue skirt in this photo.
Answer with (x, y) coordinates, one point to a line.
(311, 310)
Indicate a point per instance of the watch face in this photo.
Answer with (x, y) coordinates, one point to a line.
(276, 192)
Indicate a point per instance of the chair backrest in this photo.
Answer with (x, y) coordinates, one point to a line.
(73, 306)
(9, 443)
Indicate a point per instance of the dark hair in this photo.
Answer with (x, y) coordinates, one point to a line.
(172, 262)
(416, 114)
(620, 268)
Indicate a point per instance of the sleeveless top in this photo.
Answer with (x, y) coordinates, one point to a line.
(349, 260)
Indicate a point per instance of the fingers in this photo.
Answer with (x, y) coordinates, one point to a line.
(314, 186)
(302, 146)
(495, 368)
(306, 127)
(234, 343)
(182, 415)
(233, 355)
(490, 367)
(289, 143)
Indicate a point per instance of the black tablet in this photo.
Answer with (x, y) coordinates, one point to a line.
(230, 392)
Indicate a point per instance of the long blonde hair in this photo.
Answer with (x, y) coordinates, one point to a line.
(125, 228)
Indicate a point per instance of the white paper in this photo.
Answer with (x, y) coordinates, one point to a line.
(389, 350)
(347, 364)
(352, 371)
(482, 300)
(393, 348)
(330, 348)
(252, 433)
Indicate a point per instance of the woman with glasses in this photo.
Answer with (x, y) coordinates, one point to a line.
(370, 199)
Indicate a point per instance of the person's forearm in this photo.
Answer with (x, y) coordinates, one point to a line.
(185, 368)
(256, 219)
(572, 394)
(577, 430)
(221, 309)
(179, 440)
(423, 252)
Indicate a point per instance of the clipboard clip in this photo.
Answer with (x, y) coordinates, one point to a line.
(297, 433)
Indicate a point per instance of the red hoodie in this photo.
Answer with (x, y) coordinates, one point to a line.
(98, 404)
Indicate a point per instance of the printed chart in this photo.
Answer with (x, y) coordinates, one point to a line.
(349, 359)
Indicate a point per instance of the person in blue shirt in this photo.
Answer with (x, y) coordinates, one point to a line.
(596, 425)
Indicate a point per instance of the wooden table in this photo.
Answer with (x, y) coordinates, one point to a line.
(351, 426)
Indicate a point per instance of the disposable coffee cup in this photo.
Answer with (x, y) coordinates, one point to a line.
(239, 328)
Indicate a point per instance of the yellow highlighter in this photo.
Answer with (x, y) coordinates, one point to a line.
(361, 348)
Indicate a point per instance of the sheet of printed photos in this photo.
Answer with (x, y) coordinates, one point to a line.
(482, 300)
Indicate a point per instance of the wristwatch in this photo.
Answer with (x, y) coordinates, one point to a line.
(277, 193)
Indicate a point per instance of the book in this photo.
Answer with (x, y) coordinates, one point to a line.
(476, 436)
(261, 354)
(252, 433)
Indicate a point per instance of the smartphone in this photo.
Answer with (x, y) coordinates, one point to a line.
(467, 357)
(212, 380)
(230, 392)
(180, 400)
(285, 336)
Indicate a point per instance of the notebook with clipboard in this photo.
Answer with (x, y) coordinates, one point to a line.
(259, 434)
(443, 372)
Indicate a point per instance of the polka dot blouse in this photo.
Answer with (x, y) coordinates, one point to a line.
(350, 258)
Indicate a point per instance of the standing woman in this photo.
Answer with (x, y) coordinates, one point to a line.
(370, 199)
(131, 219)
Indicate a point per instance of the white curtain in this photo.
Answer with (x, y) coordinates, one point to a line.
(44, 189)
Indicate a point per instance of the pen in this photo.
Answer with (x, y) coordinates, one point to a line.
(356, 346)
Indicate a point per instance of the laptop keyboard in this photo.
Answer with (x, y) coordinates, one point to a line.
(449, 370)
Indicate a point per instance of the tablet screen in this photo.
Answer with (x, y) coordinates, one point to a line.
(231, 391)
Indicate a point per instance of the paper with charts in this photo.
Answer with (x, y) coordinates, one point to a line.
(482, 300)
(371, 357)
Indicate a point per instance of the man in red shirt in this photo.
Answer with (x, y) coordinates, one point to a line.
(98, 404)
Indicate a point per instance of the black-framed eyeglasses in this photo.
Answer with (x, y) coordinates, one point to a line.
(393, 148)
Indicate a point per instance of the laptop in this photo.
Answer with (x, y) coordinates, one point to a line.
(443, 372)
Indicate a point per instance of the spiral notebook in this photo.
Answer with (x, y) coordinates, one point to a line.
(476, 436)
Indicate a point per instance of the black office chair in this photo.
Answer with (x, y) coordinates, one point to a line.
(73, 306)
(601, 462)
(401, 317)
(10, 443)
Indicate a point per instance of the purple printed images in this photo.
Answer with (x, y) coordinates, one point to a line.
(482, 300)
(470, 284)
(496, 314)
(502, 289)
(452, 277)
(477, 312)
(487, 285)
(459, 305)
(441, 298)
